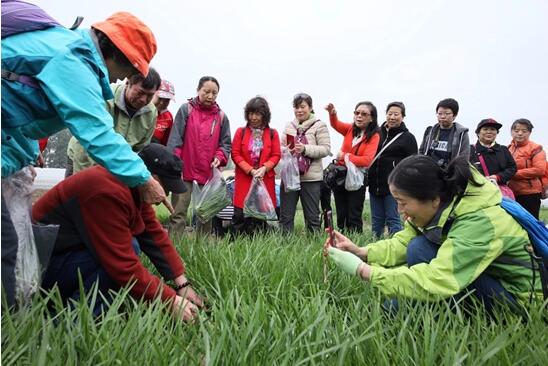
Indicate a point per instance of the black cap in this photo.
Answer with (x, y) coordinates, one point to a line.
(167, 166)
(488, 122)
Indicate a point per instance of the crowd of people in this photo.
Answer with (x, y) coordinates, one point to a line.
(128, 152)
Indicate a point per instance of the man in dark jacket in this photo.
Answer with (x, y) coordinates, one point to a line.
(100, 221)
(447, 139)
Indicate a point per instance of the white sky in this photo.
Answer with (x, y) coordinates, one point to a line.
(491, 56)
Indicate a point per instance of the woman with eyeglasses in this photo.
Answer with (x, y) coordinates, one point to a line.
(530, 159)
(447, 139)
(361, 139)
(396, 144)
(307, 138)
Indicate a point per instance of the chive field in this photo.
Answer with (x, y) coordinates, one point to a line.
(269, 306)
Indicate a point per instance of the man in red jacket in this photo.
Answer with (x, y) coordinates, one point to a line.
(100, 218)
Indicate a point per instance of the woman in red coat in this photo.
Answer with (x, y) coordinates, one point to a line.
(255, 151)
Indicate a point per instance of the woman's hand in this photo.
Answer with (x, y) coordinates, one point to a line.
(215, 163)
(345, 244)
(299, 148)
(330, 108)
(259, 173)
(340, 155)
(346, 261)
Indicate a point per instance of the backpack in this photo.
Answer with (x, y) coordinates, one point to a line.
(19, 17)
(538, 236)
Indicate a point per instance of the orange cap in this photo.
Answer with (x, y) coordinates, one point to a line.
(132, 37)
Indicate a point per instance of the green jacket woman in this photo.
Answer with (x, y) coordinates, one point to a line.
(456, 238)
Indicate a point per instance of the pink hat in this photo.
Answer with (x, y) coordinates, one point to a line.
(166, 90)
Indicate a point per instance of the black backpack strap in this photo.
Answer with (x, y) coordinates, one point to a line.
(77, 22)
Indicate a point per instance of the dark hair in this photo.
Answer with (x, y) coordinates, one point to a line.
(372, 127)
(523, 121)
(110, 51)
(449, 103)
(303, 97)
(400, 105)
(419, 176)
(152, 81)
(204, 79)
(258, 105)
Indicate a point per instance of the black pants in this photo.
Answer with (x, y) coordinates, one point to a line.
(310, 200)
(9, 254)
(349, 205)
(531, 202)
(246, 225)
(325, 197)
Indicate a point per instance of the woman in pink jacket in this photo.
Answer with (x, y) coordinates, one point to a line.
(255, 151)
(201, 138)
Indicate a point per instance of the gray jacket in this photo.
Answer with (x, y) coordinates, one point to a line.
(459, 144)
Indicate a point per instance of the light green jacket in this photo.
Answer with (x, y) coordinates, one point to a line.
(136, 130)
(481, 232)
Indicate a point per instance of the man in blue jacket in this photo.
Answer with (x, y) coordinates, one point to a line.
(57, 78)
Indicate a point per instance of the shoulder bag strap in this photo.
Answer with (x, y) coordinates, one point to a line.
(483, 165)
(384, 148)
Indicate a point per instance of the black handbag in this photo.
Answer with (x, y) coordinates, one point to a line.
(334, 175)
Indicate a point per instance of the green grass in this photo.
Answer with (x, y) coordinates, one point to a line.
(270, 306)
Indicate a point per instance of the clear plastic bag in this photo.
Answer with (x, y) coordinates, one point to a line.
(17, 190)
(211, 199)
(258, 203)
(289, 172)
(354, 176)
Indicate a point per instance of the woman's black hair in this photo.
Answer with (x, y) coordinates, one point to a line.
(205, 79)
(419, 176)
(303, 97)
(258, 105)
(372, 127)
(523, 121)
(400, 105)
(110, 51)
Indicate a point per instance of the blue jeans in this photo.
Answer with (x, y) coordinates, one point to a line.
(63, 271)
(384, 212)
(485, 288)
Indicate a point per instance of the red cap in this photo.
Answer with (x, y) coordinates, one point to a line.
(132, 37)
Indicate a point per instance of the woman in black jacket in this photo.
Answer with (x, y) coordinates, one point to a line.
(500, 164)
(401, 144)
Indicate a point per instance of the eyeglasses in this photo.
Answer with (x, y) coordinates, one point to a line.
(444, 114)
(360, 113)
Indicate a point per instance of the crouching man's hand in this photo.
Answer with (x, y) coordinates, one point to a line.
(184, 309)
(187, 303)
